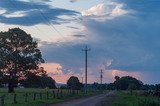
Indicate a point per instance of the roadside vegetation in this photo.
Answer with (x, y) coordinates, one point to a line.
(129, 91)
(136, 99)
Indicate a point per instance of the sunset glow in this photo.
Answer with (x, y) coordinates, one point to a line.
(122, 36)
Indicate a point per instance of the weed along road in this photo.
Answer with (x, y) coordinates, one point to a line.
(90, 101)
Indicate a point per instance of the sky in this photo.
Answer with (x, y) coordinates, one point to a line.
(123, 36)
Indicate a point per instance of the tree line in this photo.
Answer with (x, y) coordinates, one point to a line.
(120, 83)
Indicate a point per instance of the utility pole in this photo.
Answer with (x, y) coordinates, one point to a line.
(86, 65)
(101, 76)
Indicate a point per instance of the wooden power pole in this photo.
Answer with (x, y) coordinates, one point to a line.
(101, 76)
(86, 65)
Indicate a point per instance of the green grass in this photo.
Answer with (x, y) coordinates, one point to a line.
(9, 97)
(126, 99)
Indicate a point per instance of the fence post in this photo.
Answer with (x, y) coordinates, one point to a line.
(77, 91)
(58, 93)
(34, 96)
(15, 98)
(53, 94)
(73, 92)
(26, 97)
(47, 95)
(67, 91)
(40, 95)
(2, 100)
(61, 93)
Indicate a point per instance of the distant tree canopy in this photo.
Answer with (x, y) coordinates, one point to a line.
(19, 55)
(127, 82)
(34, 81)
(38, 79)
(98, 86)
(73, 83)
(110, 86)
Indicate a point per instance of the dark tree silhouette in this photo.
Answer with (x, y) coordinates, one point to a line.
(73, 83)
(117, 85)
(116, 78)
(35, 81)
(124, 82)
(18, 55)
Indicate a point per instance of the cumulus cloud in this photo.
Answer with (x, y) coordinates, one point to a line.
(105, 11)
(52, 68)
(59, 73)
(27, 12)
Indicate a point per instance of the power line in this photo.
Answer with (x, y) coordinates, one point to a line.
(46, 19)
(86, 65)
(28, 19)
(51, 24)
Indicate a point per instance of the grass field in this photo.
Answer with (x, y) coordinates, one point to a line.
(39, 97)
(126, 99)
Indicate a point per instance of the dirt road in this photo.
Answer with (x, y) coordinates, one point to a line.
(90, 101)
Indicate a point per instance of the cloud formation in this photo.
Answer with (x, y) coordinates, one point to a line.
(27, 12)
(122, 34)
(128, 42)
(131, 39)
(105, 11)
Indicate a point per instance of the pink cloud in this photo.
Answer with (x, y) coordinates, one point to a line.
(108, 75)
(55, 70)
(52, 68)
(137, 75)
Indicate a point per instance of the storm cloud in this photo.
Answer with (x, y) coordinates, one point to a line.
(23, 12)
(130, 40)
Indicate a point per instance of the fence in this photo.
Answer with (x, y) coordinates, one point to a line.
(15, 98)
(2, 100)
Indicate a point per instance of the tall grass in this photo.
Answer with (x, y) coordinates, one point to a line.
(43, 96)
(126, 99)
(148, 102)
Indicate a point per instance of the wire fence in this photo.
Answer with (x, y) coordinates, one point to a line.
(24, 97)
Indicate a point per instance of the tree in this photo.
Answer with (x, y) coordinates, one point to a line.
(116, 78)
(117, 82)
(19, 55)
(73, 83)
(38, 79)
(132, 87)
(35, 81)
(111, 86)
(47, 81)
(125, 81)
